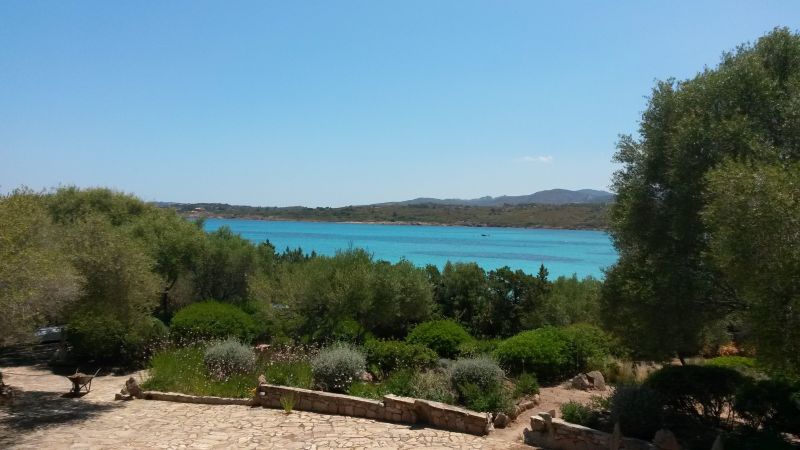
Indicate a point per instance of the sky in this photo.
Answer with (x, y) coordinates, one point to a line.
(332, 103)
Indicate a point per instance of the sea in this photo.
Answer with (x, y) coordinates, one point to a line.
(563, 252)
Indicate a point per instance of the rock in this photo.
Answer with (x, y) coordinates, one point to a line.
(132, 388)
(537, 399)
(666, 440)
(597, 380)
(581, 381)
(501, 420)
(366, 377)
(262, 379)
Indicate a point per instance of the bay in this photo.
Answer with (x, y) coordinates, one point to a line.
(563, 252)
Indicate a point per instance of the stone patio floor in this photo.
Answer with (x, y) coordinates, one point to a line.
(43, 419)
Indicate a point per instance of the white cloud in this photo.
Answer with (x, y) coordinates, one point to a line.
(546, 159)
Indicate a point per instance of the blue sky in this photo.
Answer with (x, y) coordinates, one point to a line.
(329, 103)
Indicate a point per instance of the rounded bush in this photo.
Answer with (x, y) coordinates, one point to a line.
(96, 337)
(211, 320)
(639, 411)
(441, 336)
(546, 352)
(526, 384)
(387, 356)
(683, 388)
(770, 405)
(590, 346)
(482, 372)
(337, 366)
(471, 349)
(229, 357)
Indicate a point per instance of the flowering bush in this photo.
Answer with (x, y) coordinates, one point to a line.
(229, 357)
(337, 366)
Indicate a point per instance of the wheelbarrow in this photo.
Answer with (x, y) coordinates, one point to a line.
(81, 381)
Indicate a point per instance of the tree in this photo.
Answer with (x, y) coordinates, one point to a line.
(754, 214)
(462, 293)
(226, 262)
(37, 282)
(665, 291)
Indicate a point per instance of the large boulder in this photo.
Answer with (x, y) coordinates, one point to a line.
(581, 381)
(597, 380)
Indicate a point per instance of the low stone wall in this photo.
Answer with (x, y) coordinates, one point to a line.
(199, 399)
(556, 434)
(392, 408)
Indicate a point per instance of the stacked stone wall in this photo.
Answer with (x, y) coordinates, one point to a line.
(391, 409)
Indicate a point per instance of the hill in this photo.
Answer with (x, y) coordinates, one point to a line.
(548, 197)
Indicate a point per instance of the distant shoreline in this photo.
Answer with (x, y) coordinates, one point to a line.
(399, 222)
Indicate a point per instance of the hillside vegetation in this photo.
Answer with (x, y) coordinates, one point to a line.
(570, 216)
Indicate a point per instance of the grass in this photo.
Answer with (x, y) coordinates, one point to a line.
(182, 370)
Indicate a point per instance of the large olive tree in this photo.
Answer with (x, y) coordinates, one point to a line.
(666, 291)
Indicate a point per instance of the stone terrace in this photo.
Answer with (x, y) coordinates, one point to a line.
(43, 418)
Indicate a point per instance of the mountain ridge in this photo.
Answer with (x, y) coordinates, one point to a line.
(545, 197)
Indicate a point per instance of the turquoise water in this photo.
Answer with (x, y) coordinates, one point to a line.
(563, 252)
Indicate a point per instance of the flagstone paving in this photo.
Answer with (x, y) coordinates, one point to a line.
(42, 418)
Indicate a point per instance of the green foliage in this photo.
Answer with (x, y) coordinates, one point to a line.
(96, 337)
(432, 385)
(337, 367)
(684, 388)
(289, 373)
(477, 347)
(229, 357)
(526, 384)
(590, 346)
(287, 403)
(390, 355)
(321, 294)
(482, 372)
(545, 352)
(754, 212)
(769, 404)
(37, 281)
(673, 278)
(183, 370)
(211, 320)
(441, 336)
(580, 414)
(461, 293)
(496, 398)
(639, 410)
(568, 216)
(748, 439)
(226, 262)
(568, 300)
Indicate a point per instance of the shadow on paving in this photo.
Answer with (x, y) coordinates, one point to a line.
(35, 410)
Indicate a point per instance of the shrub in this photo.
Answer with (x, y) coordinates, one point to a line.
(482, 372)
(337, 366)
(441, 336)
(493, 399)
(638, 410)
(545, 352)
(684, 388)
(387, 356)
(589, 346)
(212, 320)
(229, 357)
(526, 384)
(769, 404)
(102, 337)
(580, 414)
(433, 385)
(289, 373)
(746, 366)
(471, 349)
(96, 336)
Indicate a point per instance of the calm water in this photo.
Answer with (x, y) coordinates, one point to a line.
(563, 252)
